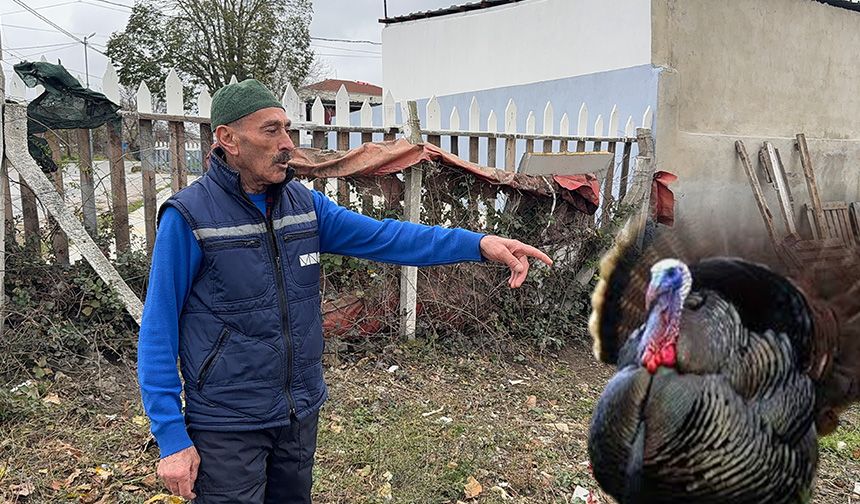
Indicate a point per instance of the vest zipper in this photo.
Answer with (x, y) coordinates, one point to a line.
(285, 314)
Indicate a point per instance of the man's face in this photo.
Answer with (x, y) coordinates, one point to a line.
(262, 147)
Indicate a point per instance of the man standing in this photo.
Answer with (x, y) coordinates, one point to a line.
(234, 295)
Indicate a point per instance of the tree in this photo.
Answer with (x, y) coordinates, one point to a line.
(208, 41)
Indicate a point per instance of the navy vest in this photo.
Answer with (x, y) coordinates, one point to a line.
(250, 332)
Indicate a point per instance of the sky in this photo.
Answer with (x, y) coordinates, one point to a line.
(26, 36)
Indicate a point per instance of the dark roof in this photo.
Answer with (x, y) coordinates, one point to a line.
(352, 87)
(845, 4)
(454, 9)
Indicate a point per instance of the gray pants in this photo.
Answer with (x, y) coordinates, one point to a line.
(269, 466)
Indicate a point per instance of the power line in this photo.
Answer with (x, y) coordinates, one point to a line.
(55, 25)
(349, 56)
(349, 41)
(41, 8)
(345, 49)
(40, 46)
(129, 7)
(108, 7)
(32, 28)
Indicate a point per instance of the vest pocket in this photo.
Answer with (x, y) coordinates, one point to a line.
(241, 373)
(238, 271)
(303, 251)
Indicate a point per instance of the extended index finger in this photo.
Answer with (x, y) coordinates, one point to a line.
(537, 254)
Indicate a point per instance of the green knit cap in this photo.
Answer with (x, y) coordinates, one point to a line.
(235, 101)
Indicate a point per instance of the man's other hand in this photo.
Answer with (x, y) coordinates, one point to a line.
(179, 471)
(514, 254)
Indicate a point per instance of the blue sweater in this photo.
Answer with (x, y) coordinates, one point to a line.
(176, 260)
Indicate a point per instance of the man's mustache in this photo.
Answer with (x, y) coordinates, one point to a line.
(282, 157)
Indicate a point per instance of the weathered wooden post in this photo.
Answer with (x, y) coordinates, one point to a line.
(511, 141)
(474, 126)
(204, 109)
(88, 192)
(147, 163)
(412, 213)
(176, 108)
(119, 196)
(60, 241)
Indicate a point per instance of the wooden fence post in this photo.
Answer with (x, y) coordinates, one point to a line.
(412, 213)
(17, 153)
(60, 240)
(88, 192)
(30, 212)
(118, 189)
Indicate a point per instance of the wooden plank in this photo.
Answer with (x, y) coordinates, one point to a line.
(765, 165)
(412, 213)
(178, 165)
(510, 155)
(319, 141)
(758, 195)
(206, 142)
(811, 219)
(147, 171)
(60, 242)
(30, 214)
(492, 145)
(7, 199)
(342, 184)
(365, 138)
(18, 155)
(771, 163)
(88, 194)
(455, 145)
(118, 189)
(811, 185)
(530, 146)
(854, 213)
(625, 169)
(474, 149)
(435, 140)
(389, 136)
(608, 183)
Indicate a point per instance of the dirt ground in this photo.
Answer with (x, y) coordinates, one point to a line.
(407, 424)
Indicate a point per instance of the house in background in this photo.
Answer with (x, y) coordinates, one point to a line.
(711, 73)
(327, 91)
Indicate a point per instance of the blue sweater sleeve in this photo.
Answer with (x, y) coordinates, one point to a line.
(176, 259)
(391, 241)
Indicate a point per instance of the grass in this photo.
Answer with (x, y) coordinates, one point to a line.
(419, 434)
(138, 203)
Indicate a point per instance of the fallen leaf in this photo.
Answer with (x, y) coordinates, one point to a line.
(393, 369)
(150, 481)
(531, 402)
(22, 490)
(562, 427)
(57, 485)
(140, 420)
(857, 488)
(431, 413)
(130, 488)
(516, 382)
(103, 472)
(2, 472)
(580, 493)
(336, 428)
(445, 420)
(385, 491)
(365, 471)
(841, 445)
(51, 399)
(452, 465)
(501, 491)
(164, 499)
(387, 476)
(472, 488)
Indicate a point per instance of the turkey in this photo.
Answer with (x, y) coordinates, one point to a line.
(727, 374)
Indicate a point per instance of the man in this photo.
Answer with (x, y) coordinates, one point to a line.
(234, 295)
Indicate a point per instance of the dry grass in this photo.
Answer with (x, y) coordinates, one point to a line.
(415, 434)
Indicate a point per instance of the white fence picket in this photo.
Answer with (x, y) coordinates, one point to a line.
(647, 117)
(204, 103)
(366, 114)
(454, 121)
(511, 117)
(341, 107)
(564, 125)
(582, 125)
(389, 116)
(110, 83)
(317, 112)
(434, 114)
(613, 122)
(474, 115)
(173, 92)
(144, 99)
(548, 119)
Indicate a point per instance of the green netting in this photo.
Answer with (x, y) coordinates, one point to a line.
(65, 104)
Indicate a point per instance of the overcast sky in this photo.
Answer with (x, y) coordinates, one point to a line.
(25, 36)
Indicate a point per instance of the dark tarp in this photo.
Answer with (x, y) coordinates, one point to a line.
(65, 104)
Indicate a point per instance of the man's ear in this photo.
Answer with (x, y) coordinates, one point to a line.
(227, 139)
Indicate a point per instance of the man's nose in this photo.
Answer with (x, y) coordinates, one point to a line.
(287, 143)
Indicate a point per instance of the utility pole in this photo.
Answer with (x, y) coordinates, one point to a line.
(86, 58)
(385, 8)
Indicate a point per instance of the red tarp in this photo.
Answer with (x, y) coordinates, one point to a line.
(384, 158)
(662, 198)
